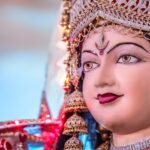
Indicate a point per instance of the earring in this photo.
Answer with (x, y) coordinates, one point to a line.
(73, 144)
(75, 124)
(74, 103)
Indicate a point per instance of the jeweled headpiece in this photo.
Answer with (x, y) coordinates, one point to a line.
(84, 15)
(130, 13)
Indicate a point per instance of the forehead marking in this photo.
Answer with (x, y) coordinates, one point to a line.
(102, 43)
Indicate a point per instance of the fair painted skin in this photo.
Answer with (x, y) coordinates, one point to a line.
(123, 69)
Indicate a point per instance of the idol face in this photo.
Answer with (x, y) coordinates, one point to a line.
(116, 84)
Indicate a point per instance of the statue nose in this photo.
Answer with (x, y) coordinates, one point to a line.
(104, 77)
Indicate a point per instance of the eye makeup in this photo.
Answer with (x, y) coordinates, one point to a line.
(124, 44)
(131, 50)
(122, 51)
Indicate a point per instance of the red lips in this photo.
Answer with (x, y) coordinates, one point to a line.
(107, 98)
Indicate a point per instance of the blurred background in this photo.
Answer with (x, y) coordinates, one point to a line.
(31, 56)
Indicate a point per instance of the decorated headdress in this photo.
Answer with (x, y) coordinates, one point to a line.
(79, 17)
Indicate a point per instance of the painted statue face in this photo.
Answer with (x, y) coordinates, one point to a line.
(116, 85)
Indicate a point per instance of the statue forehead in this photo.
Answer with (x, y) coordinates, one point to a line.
(117, 29)
(99, 33)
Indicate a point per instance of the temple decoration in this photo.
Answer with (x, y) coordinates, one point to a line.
(14, 134)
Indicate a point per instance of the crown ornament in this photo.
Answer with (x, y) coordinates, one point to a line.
(83, 16)
(130, 13)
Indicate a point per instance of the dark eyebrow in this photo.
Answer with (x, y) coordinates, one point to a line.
(89, 51)
(125, 43)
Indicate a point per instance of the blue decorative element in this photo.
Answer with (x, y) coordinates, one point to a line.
(32, 146)
(86, 142)
(89, 140)
(36, 130)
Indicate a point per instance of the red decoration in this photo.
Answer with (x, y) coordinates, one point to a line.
(44, 109)
(50, 129)
(5, 145)
(22, 138)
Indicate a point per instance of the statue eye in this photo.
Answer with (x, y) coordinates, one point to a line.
(127, 59)
(88, 66)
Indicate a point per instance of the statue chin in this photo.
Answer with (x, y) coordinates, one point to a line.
(115, 127)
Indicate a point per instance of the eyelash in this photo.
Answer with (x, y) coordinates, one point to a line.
(130, 55)
(89, 62)
(97, 65)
